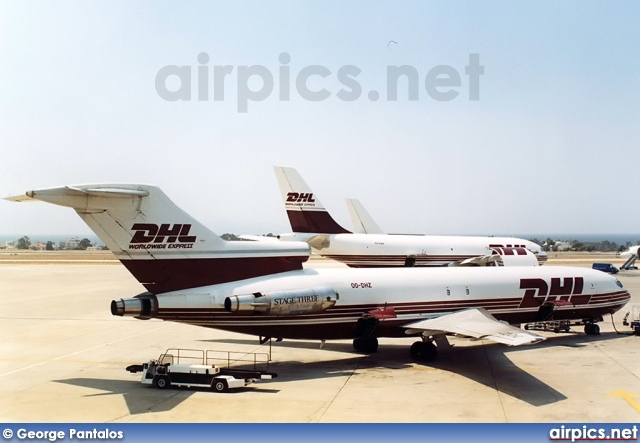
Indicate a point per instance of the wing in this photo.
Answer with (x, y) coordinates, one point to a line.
(501, 257)
(475, 323)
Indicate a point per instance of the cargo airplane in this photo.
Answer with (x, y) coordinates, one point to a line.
(193, 276)
(370, 247)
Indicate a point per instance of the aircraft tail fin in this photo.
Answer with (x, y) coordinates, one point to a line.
(305, 212)
(161, 245)
(363, 223)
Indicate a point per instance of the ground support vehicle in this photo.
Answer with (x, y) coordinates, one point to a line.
(605, 267)
(217, 370)
(552, 325)
(632, 319)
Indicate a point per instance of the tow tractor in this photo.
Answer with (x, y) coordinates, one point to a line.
(217, 370)
(634, 321)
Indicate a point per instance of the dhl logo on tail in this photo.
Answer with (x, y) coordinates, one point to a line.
(300, 197)
(152, 236)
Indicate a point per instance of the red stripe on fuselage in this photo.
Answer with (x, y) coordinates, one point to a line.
(339, 322)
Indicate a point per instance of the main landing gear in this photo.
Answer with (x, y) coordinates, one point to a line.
(367, 345)
(365, 341)
(424, 351)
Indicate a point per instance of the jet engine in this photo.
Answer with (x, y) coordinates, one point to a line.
(289, 302)
(143, 306)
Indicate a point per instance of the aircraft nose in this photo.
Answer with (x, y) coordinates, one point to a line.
(542, 256)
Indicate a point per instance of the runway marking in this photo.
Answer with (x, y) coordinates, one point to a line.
(628, 397)
(83, 350)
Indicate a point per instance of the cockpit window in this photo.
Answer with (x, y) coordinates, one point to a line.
(618, 283)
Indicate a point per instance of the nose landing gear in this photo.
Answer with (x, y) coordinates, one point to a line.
(591, 328)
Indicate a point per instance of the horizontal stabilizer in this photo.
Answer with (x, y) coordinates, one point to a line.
(263, 238)
(161, 245)
(20, 198)
(475, 323)
(320, 241)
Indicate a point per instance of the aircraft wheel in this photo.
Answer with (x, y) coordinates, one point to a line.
(423, 351)
(163, 382)
(219, 385)
(367, 345)
(591, 329)
(370, 345)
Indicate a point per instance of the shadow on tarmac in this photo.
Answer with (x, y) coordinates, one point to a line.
(485, 363)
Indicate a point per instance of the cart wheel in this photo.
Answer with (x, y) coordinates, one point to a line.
(219, 385)
(163, 382)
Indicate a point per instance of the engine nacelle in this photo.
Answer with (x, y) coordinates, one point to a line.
(143, 306)
(289, 302)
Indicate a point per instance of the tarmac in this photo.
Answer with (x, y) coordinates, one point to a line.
(63, 358)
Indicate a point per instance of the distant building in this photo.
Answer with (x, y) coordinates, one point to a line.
(37, 247)
(73, 243)
(562, 246)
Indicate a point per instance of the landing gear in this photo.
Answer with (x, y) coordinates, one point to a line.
(424, 351)
(368, 345)
(365, 340)
(591, 329)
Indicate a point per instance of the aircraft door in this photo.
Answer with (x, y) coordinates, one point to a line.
(410, 261)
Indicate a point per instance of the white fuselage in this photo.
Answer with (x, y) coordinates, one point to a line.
(381, 250)
(511, 294)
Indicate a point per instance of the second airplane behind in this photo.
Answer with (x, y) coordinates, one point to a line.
(312, 223)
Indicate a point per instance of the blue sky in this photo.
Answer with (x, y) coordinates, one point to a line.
(549, 147)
